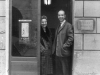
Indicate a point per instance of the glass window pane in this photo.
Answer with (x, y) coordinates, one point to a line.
(24, 32)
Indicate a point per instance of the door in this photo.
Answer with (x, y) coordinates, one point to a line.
(24, 37)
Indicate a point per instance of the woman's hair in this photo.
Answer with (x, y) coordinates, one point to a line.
(43, 34)
(44, 17)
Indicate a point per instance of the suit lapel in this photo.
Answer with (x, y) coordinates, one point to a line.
(61, 27)
(57, 32)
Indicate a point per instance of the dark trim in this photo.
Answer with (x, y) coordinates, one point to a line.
(38, 52)
(10, 34)
(91, 0)
(86, 50)
(83, 8)
(86, 33)
(87, 0)
(78, 0)
(2, 16)
(85, 17)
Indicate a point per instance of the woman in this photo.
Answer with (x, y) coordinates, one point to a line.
(46, 44)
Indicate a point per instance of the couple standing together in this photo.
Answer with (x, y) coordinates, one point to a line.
(56, 56)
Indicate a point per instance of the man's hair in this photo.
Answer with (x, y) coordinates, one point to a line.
(44, 17)
(62, 10)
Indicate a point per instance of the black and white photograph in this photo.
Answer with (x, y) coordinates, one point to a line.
(49, 37)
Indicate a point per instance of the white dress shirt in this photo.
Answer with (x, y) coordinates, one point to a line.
(62, 23)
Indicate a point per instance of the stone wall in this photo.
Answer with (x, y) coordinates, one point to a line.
(87, 44)
(2, 37)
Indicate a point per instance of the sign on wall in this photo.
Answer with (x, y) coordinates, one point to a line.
(85, 25)
(24, 33)
(25, 30)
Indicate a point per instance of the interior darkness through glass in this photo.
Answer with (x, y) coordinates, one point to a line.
(23, 46)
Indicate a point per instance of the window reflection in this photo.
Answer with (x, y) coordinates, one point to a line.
(23, 44)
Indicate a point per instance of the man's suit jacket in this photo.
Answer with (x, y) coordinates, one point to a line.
(65, 36)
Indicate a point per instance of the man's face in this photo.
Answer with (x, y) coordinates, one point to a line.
(61, 16)
(44, 22)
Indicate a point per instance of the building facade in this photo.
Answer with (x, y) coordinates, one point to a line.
(86, 22)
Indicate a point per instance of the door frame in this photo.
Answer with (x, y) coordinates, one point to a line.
(7, 42)
(73, 16)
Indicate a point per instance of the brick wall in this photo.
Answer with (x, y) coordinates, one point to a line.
(87, 44)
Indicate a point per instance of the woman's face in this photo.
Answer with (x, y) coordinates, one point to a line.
(44, 22)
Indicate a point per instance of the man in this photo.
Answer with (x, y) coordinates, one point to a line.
(63, 46)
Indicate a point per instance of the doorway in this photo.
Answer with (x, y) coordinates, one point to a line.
(51, 11)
